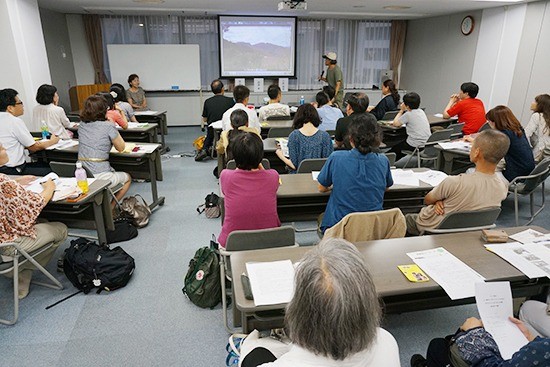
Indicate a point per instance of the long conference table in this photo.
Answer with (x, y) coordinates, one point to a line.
(397, 294)
(140, 164)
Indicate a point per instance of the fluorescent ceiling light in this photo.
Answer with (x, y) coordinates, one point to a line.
(498, 1)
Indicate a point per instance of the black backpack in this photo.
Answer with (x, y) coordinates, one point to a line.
(88, 265)
(202, 282)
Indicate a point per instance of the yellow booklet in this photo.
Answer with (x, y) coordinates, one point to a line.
(128, 148)
(413, 273)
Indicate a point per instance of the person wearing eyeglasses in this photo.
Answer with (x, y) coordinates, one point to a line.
(15, 137)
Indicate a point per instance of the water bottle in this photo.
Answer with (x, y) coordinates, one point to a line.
(302, 100)
(81, 177)
(44, 128)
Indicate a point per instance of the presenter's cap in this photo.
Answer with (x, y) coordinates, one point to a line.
(330, 55)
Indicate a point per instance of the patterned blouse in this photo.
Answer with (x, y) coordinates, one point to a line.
(19, 209)
(478, 348)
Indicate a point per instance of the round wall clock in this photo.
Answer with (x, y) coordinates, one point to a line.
(467, 25)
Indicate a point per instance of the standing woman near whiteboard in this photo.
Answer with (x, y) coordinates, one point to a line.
(136, 94)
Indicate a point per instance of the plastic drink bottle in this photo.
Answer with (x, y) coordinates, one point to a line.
(81, 177)
(44, 129)
(302, 100)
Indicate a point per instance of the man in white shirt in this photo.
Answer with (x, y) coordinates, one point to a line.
(241, 95)
(15, 137)
(275, 107)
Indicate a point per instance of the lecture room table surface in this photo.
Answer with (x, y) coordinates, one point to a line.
(147, 132)
(448, 160)
(158, 117)
(140, 164)
(77, 213)
(383, 257)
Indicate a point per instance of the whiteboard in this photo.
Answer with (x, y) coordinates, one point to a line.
(160, 67)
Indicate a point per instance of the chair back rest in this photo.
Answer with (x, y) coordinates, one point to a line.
(436, 137)
(278, 118)
(368, 226)
(311, 164)
(232, 165)
(470, 218)
(279, 132)
(390, 115)
(483, 127)
(391, 157)
(260, 239)
(66, 169)
(457, 130)
(538, 175)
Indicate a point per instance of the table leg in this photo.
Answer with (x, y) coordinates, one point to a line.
(163, 124)
(157, 201)
(98, 217)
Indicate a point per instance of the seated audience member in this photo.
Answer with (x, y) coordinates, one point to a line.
(359, 177)
(19, 209)
(241, 95)
(328, 114)
(415, 121)
(96, 137)
(49, 112)
(239, 125)
(467, 108)
(275, 107)
(114, 113)
(389, 101)
(15, 137)
(537, 130)
(136, 94)
(474, 346)
(357, 106)
(536, 317)
(122, 102)
(333, 318)
(519, 157)
(478, 190)
(306, 141)
(330, 92)
(250, 191)
(213, 110)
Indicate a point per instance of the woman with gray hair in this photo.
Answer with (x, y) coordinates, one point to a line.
(334, 317)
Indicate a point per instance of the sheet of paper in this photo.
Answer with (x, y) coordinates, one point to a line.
(136, 125)
(271, 282)
(63, 144)
(404, 177)
(521, 258)
(457, 144)
(35, 186)
(494, 304)
(432, 178)
(128, 148)
(149, 148)
(146, 113)
(216, 124)
(456, 278)
(529, 235)
(283, 144)
(440, 115)
(314, 175)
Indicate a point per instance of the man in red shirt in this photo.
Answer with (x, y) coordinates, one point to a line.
(467, 107)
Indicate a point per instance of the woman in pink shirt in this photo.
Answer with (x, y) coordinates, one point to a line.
(250, 191)
(114, 113)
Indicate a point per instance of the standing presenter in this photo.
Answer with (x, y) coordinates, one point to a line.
(334, 77)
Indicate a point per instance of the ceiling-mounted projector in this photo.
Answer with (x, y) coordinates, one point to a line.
(292, 5)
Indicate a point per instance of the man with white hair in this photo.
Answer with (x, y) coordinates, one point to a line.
(334, 77)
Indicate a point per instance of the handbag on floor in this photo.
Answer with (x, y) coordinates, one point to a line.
(135, 208)
(124, 231)
(211, 206)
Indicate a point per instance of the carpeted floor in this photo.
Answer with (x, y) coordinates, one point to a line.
(150, 322)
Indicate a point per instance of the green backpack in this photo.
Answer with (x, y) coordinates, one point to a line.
(202, 282)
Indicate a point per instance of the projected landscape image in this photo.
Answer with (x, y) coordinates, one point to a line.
(257, 49)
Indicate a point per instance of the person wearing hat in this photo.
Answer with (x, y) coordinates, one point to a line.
(334, 77)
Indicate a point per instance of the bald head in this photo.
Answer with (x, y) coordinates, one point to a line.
(493, 145)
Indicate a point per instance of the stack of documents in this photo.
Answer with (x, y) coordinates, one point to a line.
(63, 144)
(65, 187)
(412, 178)
(457, 144)
(272, 282)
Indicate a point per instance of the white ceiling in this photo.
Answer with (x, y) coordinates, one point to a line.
(371, 9)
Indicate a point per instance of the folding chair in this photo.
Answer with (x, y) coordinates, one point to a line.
(249, 240)
(311, 164)
(457, 130)
(390, 115)
(279, 132)
(427, 151)
(278, 118)
(526, 185)
(12, 265)
(464, 221)
(391, 157)
(232, 165)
